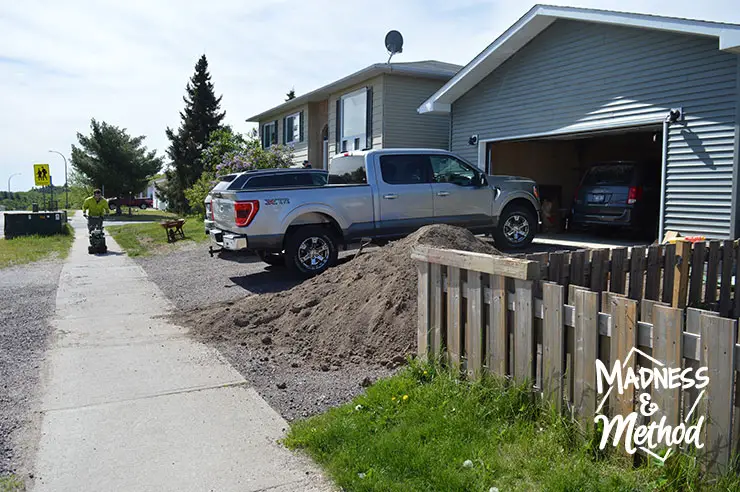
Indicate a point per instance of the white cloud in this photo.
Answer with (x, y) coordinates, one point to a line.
(62, 63)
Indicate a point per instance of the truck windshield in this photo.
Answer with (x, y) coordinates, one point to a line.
(347, 170)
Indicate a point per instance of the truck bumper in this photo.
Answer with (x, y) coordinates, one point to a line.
(228, 240)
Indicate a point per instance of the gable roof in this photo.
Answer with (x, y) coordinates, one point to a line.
(540, 17)
(430, 69)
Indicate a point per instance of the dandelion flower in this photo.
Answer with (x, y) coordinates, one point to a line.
(405, 397)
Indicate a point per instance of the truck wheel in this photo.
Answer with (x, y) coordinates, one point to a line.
(274, 259)
(142, 206)
(516, 228)
(311, 250)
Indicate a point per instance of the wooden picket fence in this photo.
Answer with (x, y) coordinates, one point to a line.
(484, 313)
(701, 275)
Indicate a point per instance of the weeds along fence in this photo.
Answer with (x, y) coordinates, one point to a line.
(701, 275)
(495, 314)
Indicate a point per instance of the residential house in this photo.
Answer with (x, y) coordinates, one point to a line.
(565, 88)
(372, 108)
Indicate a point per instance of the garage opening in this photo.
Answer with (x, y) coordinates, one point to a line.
(605, 184)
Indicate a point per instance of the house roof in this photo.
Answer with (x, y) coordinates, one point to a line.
(431, 69)
(540, 17)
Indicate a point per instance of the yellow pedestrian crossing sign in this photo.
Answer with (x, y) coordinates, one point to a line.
(41, 174)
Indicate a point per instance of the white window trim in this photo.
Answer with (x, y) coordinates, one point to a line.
(296, 129)
(264, 127)
(351, 138)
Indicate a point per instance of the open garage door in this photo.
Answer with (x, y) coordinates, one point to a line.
(605, 183)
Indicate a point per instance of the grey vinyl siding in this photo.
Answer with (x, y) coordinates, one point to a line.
(578, 76)
(403, 125)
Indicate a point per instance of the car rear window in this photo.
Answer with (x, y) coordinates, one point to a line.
(612, 175)
(347, 170)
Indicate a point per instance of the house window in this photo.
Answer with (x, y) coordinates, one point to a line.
(292, 128)
(353, 117)
(269, 134)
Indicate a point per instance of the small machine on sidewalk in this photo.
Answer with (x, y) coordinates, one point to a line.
(97, 236)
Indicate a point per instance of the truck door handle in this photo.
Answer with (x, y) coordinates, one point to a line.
(390, 196)
(443, 193)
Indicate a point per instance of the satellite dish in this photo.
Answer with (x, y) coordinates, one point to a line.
(393, 43)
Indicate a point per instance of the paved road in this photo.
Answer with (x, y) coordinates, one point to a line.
(131, 403)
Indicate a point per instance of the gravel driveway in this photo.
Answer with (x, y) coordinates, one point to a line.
(27, 302)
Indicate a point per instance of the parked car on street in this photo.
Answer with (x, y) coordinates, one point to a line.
(142, 203)
(264, 178)
(623, 194)
(377, 194)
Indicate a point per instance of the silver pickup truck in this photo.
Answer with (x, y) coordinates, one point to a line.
(379, 195)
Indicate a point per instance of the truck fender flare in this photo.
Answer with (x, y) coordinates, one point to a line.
(516, 196)
(309, 208)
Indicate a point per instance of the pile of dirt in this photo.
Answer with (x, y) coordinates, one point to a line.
(360, 312)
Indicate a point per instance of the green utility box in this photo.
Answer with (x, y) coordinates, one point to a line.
(34, 223)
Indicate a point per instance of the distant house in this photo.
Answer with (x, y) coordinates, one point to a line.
(372, 108)
(151, 192)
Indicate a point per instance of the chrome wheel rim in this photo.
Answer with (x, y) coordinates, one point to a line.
(516, 228)
(313, 253)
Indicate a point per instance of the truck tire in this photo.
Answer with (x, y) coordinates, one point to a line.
(142, 206)
(274, 259)
(516, 228)
(311, 250)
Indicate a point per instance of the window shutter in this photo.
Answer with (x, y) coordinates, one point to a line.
(300, 126)
(369, 119)
(338, 148)
(275, 133)
(285, 130)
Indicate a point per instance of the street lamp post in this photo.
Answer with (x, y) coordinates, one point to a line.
(66, 183)
(15, 174)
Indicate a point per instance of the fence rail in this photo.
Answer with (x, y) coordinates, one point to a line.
(700, 275)
(495, 314)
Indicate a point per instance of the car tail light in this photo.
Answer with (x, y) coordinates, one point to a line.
(245, 212)
(634, 195)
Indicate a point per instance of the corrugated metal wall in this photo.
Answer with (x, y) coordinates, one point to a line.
(403, 125)
(579, 76)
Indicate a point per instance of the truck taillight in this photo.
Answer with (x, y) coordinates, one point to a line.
(245, 212)
(634, 194)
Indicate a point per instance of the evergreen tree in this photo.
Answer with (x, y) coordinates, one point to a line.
(200, 118)
(290, 95)
(109, 157)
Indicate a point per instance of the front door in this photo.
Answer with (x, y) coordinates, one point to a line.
(458, 197)
(405, 191)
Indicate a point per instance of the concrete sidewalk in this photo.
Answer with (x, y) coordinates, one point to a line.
(130, 403)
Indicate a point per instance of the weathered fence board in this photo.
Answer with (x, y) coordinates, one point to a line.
(424, 328)
(454, 315)
(587, 346)
(553, 343)
(668, 348)
(523, 332)
(680, 285)
(698, 258)
(710, 294)
(618, 273)
(435, 311)
(623, 340)
(725, 291)
(474, 337)
(653, 275)
(637, 272)
(669, 262)
(498, 337)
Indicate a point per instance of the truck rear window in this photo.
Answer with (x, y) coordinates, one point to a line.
(347, 170)
(287, 180)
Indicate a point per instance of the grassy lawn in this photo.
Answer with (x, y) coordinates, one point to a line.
(424, 430)
(138, 215)
(28, 249)
(9, 483)
(149, 237)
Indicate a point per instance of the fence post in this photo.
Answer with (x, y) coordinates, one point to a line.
(681, 274)
(697, 274)
(474, 335)
(498, 336)
(454, 313)
(553, 343)
(668, 348)
(523, 331)
(637, 272)
(424, 326)
(586, 352)
(718, 356)
(435, 301)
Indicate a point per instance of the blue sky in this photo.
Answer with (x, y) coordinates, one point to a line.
(62, 63)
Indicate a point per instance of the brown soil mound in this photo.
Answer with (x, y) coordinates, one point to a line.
(362, 310)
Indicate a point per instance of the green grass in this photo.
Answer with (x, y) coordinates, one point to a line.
(414, 431)
(138, 215)
(27, 249)
(149, 237)
(10, 483)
